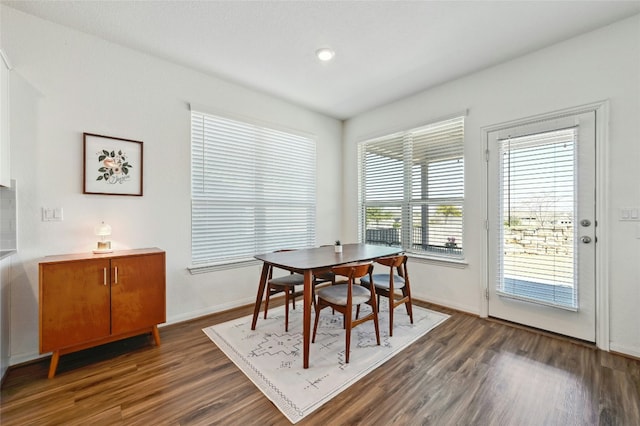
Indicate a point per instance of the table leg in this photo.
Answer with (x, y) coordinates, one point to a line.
(260, 295)
(306, 325)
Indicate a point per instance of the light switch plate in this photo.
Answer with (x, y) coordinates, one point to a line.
(52, 214)
(630, 213)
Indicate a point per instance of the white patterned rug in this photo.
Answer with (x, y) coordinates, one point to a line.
(272, 358)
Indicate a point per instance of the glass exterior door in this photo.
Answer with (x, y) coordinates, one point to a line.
(542, 233)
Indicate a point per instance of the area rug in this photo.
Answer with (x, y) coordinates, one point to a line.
(272, 358)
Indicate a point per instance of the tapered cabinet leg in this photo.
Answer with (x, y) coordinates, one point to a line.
(156, 334)
(54, 364)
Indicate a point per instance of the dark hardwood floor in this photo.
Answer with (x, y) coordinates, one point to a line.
(467, 371)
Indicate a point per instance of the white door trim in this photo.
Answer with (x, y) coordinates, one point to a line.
(601, 109)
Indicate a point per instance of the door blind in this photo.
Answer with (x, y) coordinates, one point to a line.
(537, 207)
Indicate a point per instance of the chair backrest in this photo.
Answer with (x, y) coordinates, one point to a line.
(353, 270)
(399, 262)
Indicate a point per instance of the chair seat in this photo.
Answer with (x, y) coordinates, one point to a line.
(337, 294)
(290, 280)
(382, 281)
(342, 297)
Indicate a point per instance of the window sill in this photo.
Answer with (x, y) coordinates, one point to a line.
(438, 260)
(214, 267)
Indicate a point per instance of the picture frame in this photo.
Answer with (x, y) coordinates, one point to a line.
(112, 166)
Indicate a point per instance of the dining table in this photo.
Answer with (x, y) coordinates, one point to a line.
(309, 262)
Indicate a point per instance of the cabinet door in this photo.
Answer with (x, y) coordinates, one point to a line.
(74, 303)
(137, 292)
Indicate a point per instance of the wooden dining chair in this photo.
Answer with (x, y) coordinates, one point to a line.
(388, 285)
(287, 284)
(344, 296)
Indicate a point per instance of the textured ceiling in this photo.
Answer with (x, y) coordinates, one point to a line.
(385, 50)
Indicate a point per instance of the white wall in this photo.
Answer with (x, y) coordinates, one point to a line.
(65, 83)
(604, 64)
(5, 262)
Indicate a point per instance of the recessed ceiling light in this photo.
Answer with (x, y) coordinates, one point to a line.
(325, 54)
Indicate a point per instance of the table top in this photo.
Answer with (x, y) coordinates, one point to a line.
(326, 257)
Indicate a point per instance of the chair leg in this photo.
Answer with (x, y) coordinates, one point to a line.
(333, 282)
(406, 293)
(315, 324)
(392, 307)
(376, 323)
(410, 309)
(313, 295)
(347, 320)
(266, 301)
(286, 309)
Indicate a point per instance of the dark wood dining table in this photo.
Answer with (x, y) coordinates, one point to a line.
(309, 262)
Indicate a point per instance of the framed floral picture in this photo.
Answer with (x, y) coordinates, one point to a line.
(112, 166)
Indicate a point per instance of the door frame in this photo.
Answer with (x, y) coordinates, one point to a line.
(601, 110)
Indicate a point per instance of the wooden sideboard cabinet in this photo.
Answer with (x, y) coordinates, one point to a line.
(88, 300)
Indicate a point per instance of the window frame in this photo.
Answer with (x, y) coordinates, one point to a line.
(266, 202)
(408, 203)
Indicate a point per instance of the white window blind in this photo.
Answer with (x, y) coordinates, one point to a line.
(412, 189)
(537, 208)
(253, 190)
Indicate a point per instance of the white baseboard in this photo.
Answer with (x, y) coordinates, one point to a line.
(626, 350)
(208, 311)
(26, 357)
(3, 370)
(447, 304)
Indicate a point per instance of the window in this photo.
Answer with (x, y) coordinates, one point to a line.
(538, 213)
(253, 190)
(412, 189)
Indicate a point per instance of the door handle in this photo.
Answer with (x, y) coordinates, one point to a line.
(585, 222)
(115, 270)
(586, 239)
(104, 276)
